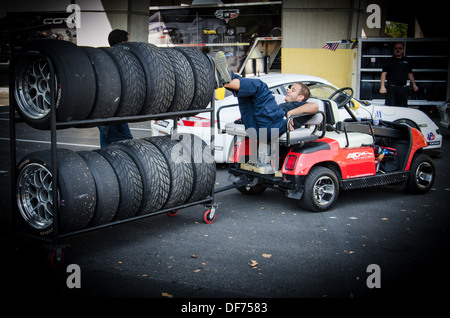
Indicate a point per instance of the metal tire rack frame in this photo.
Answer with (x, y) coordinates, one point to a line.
(53, 239)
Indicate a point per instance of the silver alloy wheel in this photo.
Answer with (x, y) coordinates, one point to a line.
(324, 190)
(35, 196)
(424, 175)
(32, 90)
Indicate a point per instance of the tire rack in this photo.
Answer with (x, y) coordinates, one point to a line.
(57, 257)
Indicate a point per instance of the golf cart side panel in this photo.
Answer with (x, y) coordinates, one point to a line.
(353, 162)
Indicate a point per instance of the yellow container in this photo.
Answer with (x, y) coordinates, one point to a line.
(220, 93)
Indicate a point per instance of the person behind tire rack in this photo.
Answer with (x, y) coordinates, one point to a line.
(257, 105)
(112, 133)
(396, 71)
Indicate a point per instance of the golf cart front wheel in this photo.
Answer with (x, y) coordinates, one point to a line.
(422, 174)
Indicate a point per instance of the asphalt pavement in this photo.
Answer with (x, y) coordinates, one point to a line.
(259, 247)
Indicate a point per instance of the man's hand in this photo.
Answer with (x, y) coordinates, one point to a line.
(383, 90)
(291, 125)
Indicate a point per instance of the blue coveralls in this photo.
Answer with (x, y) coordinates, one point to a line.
(258, 107)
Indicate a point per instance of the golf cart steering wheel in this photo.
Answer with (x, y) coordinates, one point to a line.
(342, 98)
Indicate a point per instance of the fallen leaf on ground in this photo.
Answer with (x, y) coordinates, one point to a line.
(266, 255)
(253, 263)
(167, 295)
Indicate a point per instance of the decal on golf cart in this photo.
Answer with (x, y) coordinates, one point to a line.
(360, 155)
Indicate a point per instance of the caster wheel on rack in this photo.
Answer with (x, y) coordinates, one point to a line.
(57, 259)
(209, 216)
(172, 213)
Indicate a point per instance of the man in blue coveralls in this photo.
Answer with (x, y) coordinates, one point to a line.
(257, 105)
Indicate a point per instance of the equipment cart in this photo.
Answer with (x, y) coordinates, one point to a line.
(46, 206)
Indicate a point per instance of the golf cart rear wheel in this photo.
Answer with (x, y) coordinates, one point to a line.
(256, 189)
(321, 190)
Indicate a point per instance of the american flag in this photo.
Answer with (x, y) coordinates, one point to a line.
(331, 46)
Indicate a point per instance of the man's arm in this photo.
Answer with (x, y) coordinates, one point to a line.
(308, 108)
(413, 82)
(382, 80)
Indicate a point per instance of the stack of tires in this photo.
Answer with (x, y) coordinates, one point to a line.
(129, 79)
(126, 179)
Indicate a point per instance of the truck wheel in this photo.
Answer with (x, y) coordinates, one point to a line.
(130, 181)
(203, 77)
(184, 80)
(203, 164)
(108, 194)
(422, 173)
(34, 192)
(159, 76)
(133, 88)
(107, 78)
(73, 74)
(321, 190)
(181, 172)
(153, 170)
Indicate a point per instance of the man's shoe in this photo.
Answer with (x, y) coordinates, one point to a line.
(224, 72)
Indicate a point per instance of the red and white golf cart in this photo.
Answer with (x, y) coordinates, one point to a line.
(313, 163)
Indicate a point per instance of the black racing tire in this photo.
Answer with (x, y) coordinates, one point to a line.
(203, 77)
(159, 76)
(107, 186)
(107, 82)
(73, 72)
(34, 194)
(130, 181)
(153, 170)
(203, 165)
(180, 168)
(321, 190)
(132, 77)
(184, 80)
(422, 174)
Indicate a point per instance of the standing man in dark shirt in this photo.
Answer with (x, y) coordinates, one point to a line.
(397, 71)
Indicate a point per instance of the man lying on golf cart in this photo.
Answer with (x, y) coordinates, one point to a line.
(314, 162)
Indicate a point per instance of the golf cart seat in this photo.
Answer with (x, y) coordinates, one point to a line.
(350, 139)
